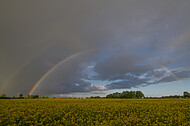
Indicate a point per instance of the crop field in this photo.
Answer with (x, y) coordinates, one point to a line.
(95, 112)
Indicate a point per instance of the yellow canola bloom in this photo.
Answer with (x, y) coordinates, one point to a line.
(85, 112)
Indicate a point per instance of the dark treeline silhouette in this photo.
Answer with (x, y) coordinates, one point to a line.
(172, 96)
(96, 97)
(3, 96)
(124, 94)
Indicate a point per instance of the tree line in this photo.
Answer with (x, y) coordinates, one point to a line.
(3, 96)
(124, 94)
(139, 94)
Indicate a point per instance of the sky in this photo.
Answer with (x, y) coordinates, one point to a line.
(71, 48)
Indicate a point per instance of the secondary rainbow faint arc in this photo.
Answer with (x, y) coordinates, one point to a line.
(177, 78)
(21, 68)
(50, 70)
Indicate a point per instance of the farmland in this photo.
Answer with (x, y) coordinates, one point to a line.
(95, 112)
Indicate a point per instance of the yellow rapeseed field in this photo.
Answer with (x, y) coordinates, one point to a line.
(134, 112)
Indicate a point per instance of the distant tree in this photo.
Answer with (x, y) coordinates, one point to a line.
(130, 95)
(186, 94)
(20, 96)
(139, 94)
(3, 95)
(33, 96)
(95, 97)
(125, 94)
(109, 96)
(116, 95)
(133, 93)
(28, 97)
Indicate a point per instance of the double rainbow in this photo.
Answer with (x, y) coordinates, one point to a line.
(15, 74)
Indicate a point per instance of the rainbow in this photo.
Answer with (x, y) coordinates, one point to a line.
(21, 68)
(52, 69)
(166, 69)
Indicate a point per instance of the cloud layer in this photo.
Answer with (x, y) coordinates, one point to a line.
(124, 43)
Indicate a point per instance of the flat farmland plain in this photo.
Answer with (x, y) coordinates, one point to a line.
(95, 112)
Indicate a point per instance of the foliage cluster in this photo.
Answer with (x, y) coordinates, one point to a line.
(95, 112)
(126, 94)
(186, 94)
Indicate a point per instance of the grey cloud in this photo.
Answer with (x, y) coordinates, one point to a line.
(145, 29)
(119, 64)
(183, 74)
(165, 80)
(128, 83)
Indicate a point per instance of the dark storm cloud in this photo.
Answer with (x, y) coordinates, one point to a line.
(73, 85)
(118, 64)
(148, 30)
(132, 82)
